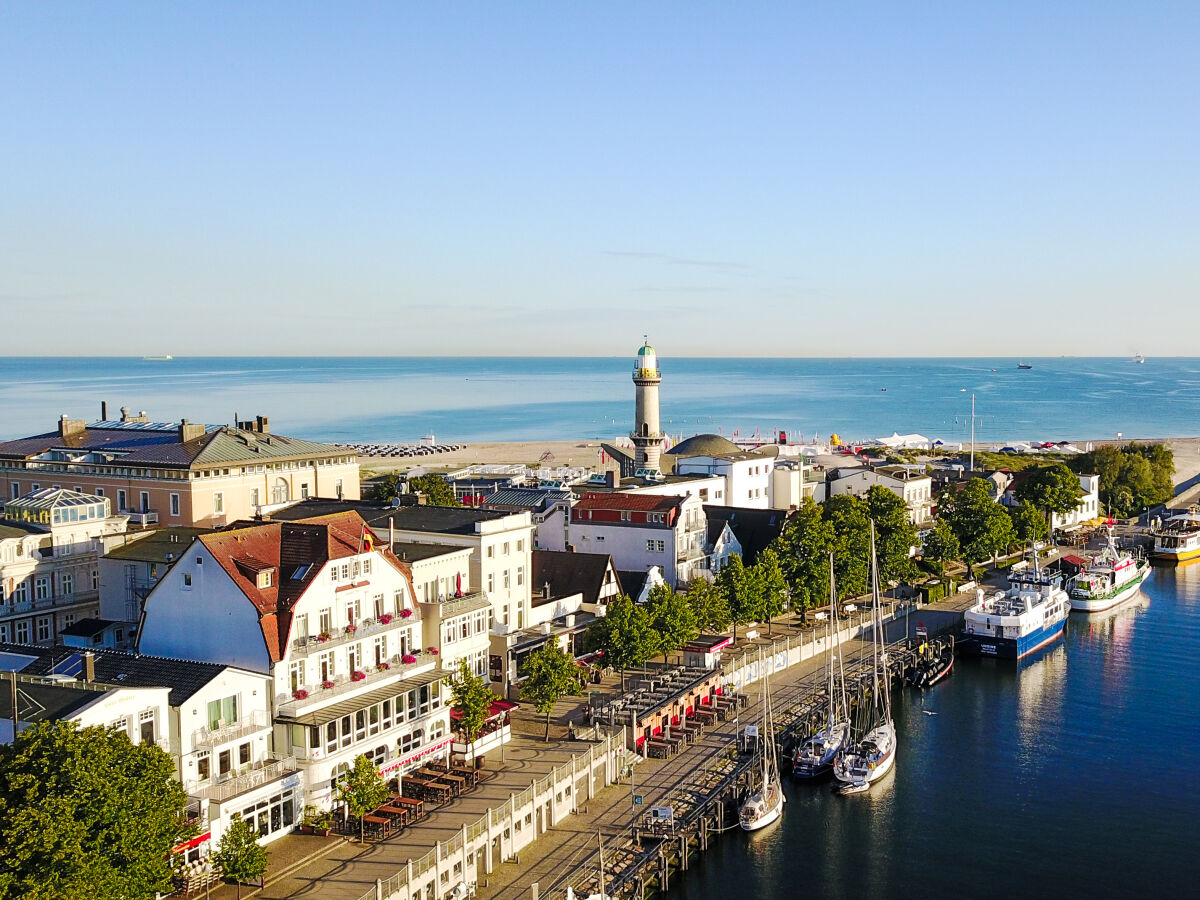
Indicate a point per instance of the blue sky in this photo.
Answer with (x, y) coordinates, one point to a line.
(791, 179)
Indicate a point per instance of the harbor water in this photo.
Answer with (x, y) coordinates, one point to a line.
(509, 399)
(1074, 773)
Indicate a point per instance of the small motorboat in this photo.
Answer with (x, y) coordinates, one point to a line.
(853, 787)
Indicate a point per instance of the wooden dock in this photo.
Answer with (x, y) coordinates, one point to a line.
(647, 853)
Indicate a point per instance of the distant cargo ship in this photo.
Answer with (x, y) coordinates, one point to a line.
(157, 358)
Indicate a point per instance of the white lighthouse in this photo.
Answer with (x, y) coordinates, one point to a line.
(647, 436)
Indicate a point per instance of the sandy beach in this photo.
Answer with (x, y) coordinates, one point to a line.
(587, 453)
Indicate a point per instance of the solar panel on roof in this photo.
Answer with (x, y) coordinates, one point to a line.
(69, 665)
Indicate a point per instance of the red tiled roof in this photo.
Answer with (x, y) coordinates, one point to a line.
(287, 546)
(621, 501)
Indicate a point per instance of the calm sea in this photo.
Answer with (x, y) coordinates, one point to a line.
(474, 399)
(1074, 775)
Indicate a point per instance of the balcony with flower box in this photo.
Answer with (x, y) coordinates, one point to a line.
(313, 696)
(319, 643)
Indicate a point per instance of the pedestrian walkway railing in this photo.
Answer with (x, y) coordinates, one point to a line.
(502, 831)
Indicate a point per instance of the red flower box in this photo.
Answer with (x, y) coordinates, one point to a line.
(405, 613)
(385, 619)
(357, 676)
(432, 651)
(408, 659)
(385, 666)
(300, 694)
(327, 684)
(351, 628)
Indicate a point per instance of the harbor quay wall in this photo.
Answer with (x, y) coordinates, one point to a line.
(503, 831)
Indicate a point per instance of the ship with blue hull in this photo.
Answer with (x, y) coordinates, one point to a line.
(1014, 623)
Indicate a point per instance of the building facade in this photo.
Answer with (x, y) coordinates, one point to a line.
(640, 531)
(335, 624)
(50, 546)
(178, 473)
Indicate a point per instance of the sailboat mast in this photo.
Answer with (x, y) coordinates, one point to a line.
(600, 841)
(877, 620)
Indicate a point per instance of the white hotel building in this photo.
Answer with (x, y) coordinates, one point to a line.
(336, 625)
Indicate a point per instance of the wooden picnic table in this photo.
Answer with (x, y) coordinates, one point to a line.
(471, 775)
(426, 789)
(410, 802)
(454, 782)
(381, 823)
(659, 749)
(399, 812)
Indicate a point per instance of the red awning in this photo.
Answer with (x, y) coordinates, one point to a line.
(1075, 561)
(495, 711)
(194, 842)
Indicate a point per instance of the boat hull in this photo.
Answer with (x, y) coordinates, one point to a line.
(1170, 557)
(1099, 604)
(1012, 648)
(768, 818)
(882, 766)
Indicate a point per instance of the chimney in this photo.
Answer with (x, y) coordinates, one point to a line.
(610, 478)
(189, 432)
(71, 426)
(263, 424)
(103, 410)
(124, 413)
(89, 667)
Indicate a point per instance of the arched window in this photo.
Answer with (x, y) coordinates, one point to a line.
(645, 430)
(279, 491)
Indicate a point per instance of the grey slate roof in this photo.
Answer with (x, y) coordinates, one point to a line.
(86, 628)
(754, 528)
(430, 519)
(117, 667)
(569, 573)
(159, 444)
(534, 499)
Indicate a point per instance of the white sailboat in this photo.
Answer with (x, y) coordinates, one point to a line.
(765, 805)
(814, 758)
(872, 757)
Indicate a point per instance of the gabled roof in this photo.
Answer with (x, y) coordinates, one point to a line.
(755, 529)
(571, 573)
(117, 667)
(631, 502)
(297, 552)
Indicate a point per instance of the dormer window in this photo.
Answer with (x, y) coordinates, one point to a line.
(264, 578)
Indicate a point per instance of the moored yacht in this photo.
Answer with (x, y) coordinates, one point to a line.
(1012, 624)
(1179, 539)
(814, 757)
(765, 805)
(1110, 577)
(869, 759)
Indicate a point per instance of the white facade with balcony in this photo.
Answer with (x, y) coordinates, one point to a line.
(50, 546)
(349, 672)
(680, 550)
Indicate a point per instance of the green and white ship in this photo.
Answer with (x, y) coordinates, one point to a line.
(1110, 577)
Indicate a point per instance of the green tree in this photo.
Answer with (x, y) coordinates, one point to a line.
(1028, 524)
(1131, 477)
(708, 604)
(672, 618)
(772, 585)
(552, 674)
(439, 491)
(941, 545)
(1052, 489)
(741, 590)
(472, 699)
(362, 791)
(387, 488)
(847, 516)
(624, 634)
(981, 525)
(803, 547)
(895, 535)
(238, 854)
(86, 813)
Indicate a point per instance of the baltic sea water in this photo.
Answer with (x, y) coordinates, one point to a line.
(463, 399)
(1073, 774)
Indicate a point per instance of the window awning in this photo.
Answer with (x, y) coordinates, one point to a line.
(352, 705)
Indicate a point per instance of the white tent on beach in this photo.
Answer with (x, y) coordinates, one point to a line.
(904, 442)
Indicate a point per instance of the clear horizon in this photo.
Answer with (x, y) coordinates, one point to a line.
(766, 180)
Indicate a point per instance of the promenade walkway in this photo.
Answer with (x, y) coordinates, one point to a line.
(341, 869)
